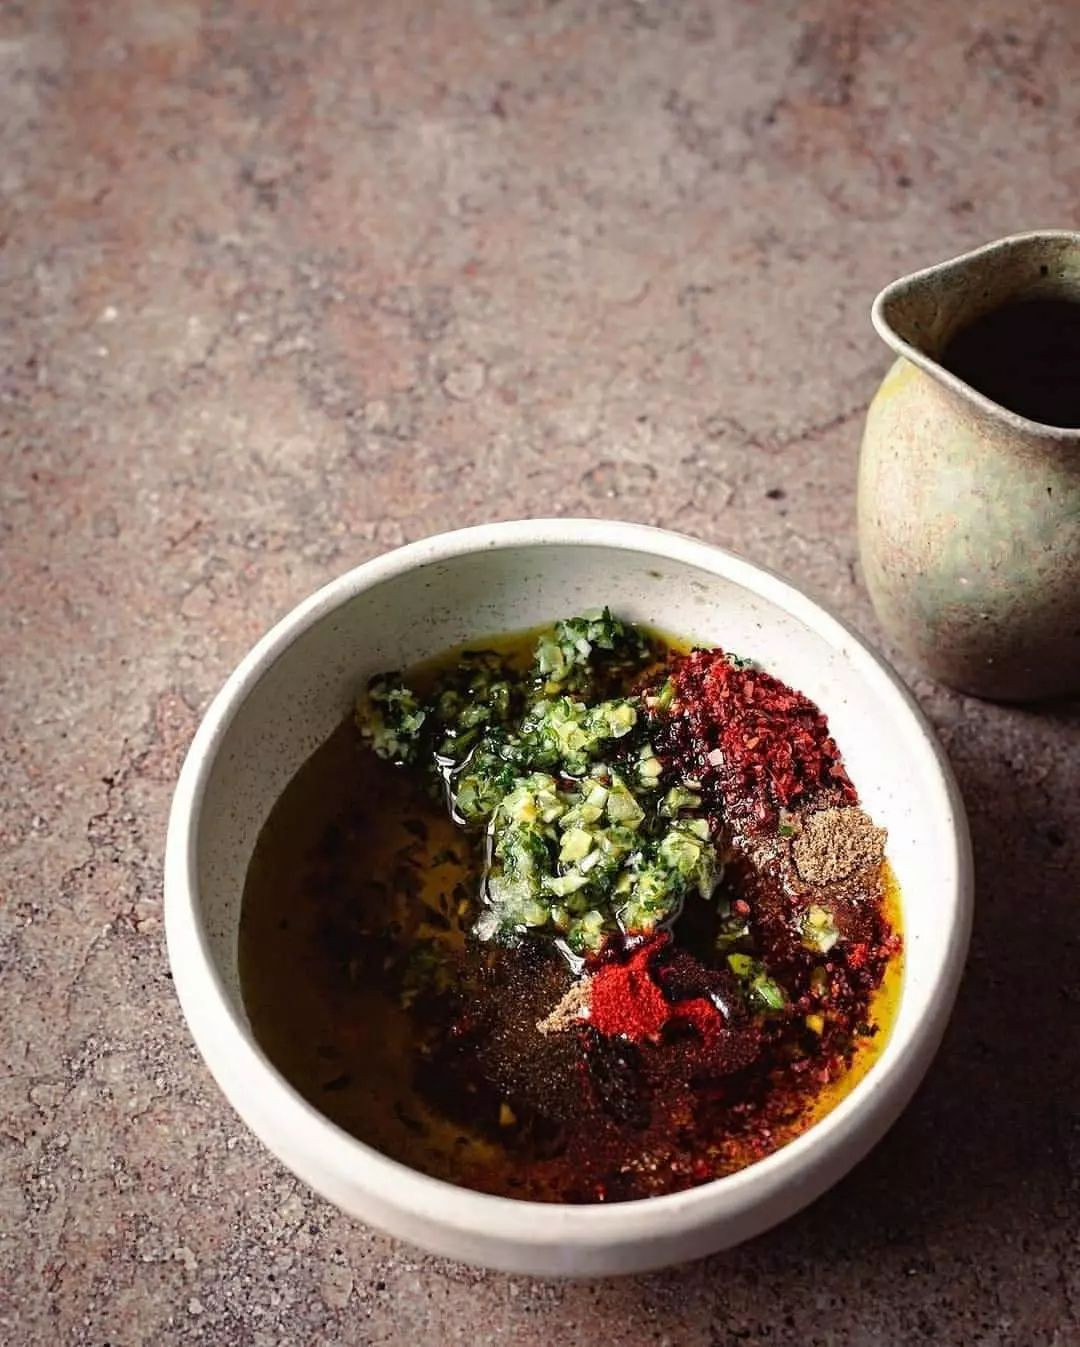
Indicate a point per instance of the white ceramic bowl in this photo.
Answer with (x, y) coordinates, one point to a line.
(298, 683)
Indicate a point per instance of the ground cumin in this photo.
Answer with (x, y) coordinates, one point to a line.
(834, 844)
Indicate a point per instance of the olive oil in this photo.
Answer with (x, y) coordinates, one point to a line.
(356, 874)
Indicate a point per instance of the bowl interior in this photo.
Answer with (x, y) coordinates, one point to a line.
(312, 683)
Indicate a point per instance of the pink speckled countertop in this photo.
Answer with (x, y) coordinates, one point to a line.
(285, 284)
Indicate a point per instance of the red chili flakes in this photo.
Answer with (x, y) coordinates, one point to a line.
(757, 743)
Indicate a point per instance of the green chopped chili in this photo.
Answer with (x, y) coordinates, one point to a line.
(585, 833)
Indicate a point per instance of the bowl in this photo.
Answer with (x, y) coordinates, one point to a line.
(299, 682)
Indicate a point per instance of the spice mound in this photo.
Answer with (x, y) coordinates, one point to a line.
(834, 844)
(663, 948)
(626, 998)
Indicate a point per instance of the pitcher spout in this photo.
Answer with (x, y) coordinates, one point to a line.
(921, 316)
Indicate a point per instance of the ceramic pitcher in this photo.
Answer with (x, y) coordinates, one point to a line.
(969, 512)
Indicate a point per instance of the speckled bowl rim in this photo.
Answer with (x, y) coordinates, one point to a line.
(242, 1070)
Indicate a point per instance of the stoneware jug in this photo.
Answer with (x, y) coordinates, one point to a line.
(969, 510)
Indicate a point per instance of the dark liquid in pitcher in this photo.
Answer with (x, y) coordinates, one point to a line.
(1026, 357)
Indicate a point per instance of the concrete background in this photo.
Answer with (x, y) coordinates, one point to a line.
(286, 284)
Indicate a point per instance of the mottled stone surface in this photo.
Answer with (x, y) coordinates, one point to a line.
(285, 284)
